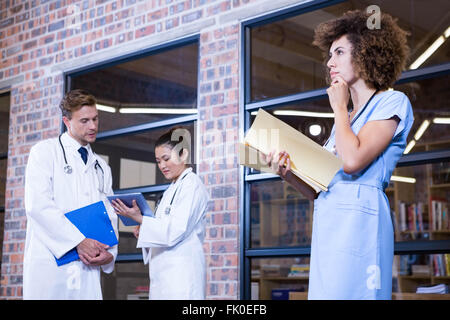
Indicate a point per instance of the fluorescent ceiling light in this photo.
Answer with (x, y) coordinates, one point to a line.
(410, 145)
(403, 179)
(441, 120)
(102, 107)
(447, 32)
(157, 110)
(436, 44)
(421, 129)
(297, 113)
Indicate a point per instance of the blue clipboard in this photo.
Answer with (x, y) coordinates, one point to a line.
(127, 199)
(94, 223)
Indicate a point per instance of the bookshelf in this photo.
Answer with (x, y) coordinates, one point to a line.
(421, 213)
(282, 218)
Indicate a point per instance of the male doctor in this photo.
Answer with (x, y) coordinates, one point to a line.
(64, 174)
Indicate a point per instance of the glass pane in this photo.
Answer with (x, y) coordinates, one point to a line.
(280, 215)
(418, 277)
(164, 82)
(127, 240)
(313, 118)
(279, 278)
(421, 276)
(132, 157)
(283, 60)
(3, 165)
(129, 281)
(429, 99)
(4, 122)
(420, 198)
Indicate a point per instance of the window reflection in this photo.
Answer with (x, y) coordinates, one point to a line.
(129, 281)
(420, 199)
(4, 128)
(280, 215)
(279, 278)
(283, 60)
(417, 276)
(159, 86)
(429, 99)
(132, 157)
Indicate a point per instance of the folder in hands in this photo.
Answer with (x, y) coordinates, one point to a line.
(310, 162)
(94, 223)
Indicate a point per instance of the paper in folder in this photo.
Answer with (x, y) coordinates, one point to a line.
(310, 162)
(94, 223)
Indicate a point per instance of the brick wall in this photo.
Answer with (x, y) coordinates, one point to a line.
(41, 39)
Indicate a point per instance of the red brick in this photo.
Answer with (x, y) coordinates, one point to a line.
(119, 22)
(224, 274)
(16, 258)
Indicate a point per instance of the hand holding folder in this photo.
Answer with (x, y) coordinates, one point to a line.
(312, 166)
(94, 223)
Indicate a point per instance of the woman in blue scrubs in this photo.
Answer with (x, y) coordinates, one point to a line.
(352, 246)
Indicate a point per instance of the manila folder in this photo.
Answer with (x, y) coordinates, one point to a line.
(309, 161)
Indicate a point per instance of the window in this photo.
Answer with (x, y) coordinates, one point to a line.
(4, 129)
(139, 98)
(155, 87)
(284, 74)
(283, 60)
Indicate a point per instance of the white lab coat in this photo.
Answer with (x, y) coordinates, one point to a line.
(174, 241)
(49, 194)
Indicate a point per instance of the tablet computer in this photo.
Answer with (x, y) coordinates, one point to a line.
(127, 199)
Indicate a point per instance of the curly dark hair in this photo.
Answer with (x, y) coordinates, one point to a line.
(379, 55)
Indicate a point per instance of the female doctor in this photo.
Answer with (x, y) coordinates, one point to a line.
(173, 239)
(352, 245)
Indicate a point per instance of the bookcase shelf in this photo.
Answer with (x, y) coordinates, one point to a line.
(273, 224)
(422, 209)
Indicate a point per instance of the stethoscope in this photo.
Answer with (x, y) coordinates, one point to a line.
(169, 207)
(353, 120)
(100, 173)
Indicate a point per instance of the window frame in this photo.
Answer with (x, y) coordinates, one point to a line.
(139, 128)
(3, 156)
(246, 106)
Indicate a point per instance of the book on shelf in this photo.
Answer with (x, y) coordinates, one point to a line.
(439, 214)
(413, 217)
(311, 164)
(299, 270)
(440, 265)
(420, 269)
(255, 291)
(283, 293)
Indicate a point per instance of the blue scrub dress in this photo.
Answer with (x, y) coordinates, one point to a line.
(352, 247)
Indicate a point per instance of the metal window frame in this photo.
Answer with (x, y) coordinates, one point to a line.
(245, 108)
(140, 128)
(4, 155)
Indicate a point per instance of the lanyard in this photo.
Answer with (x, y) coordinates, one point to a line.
(355, 117)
